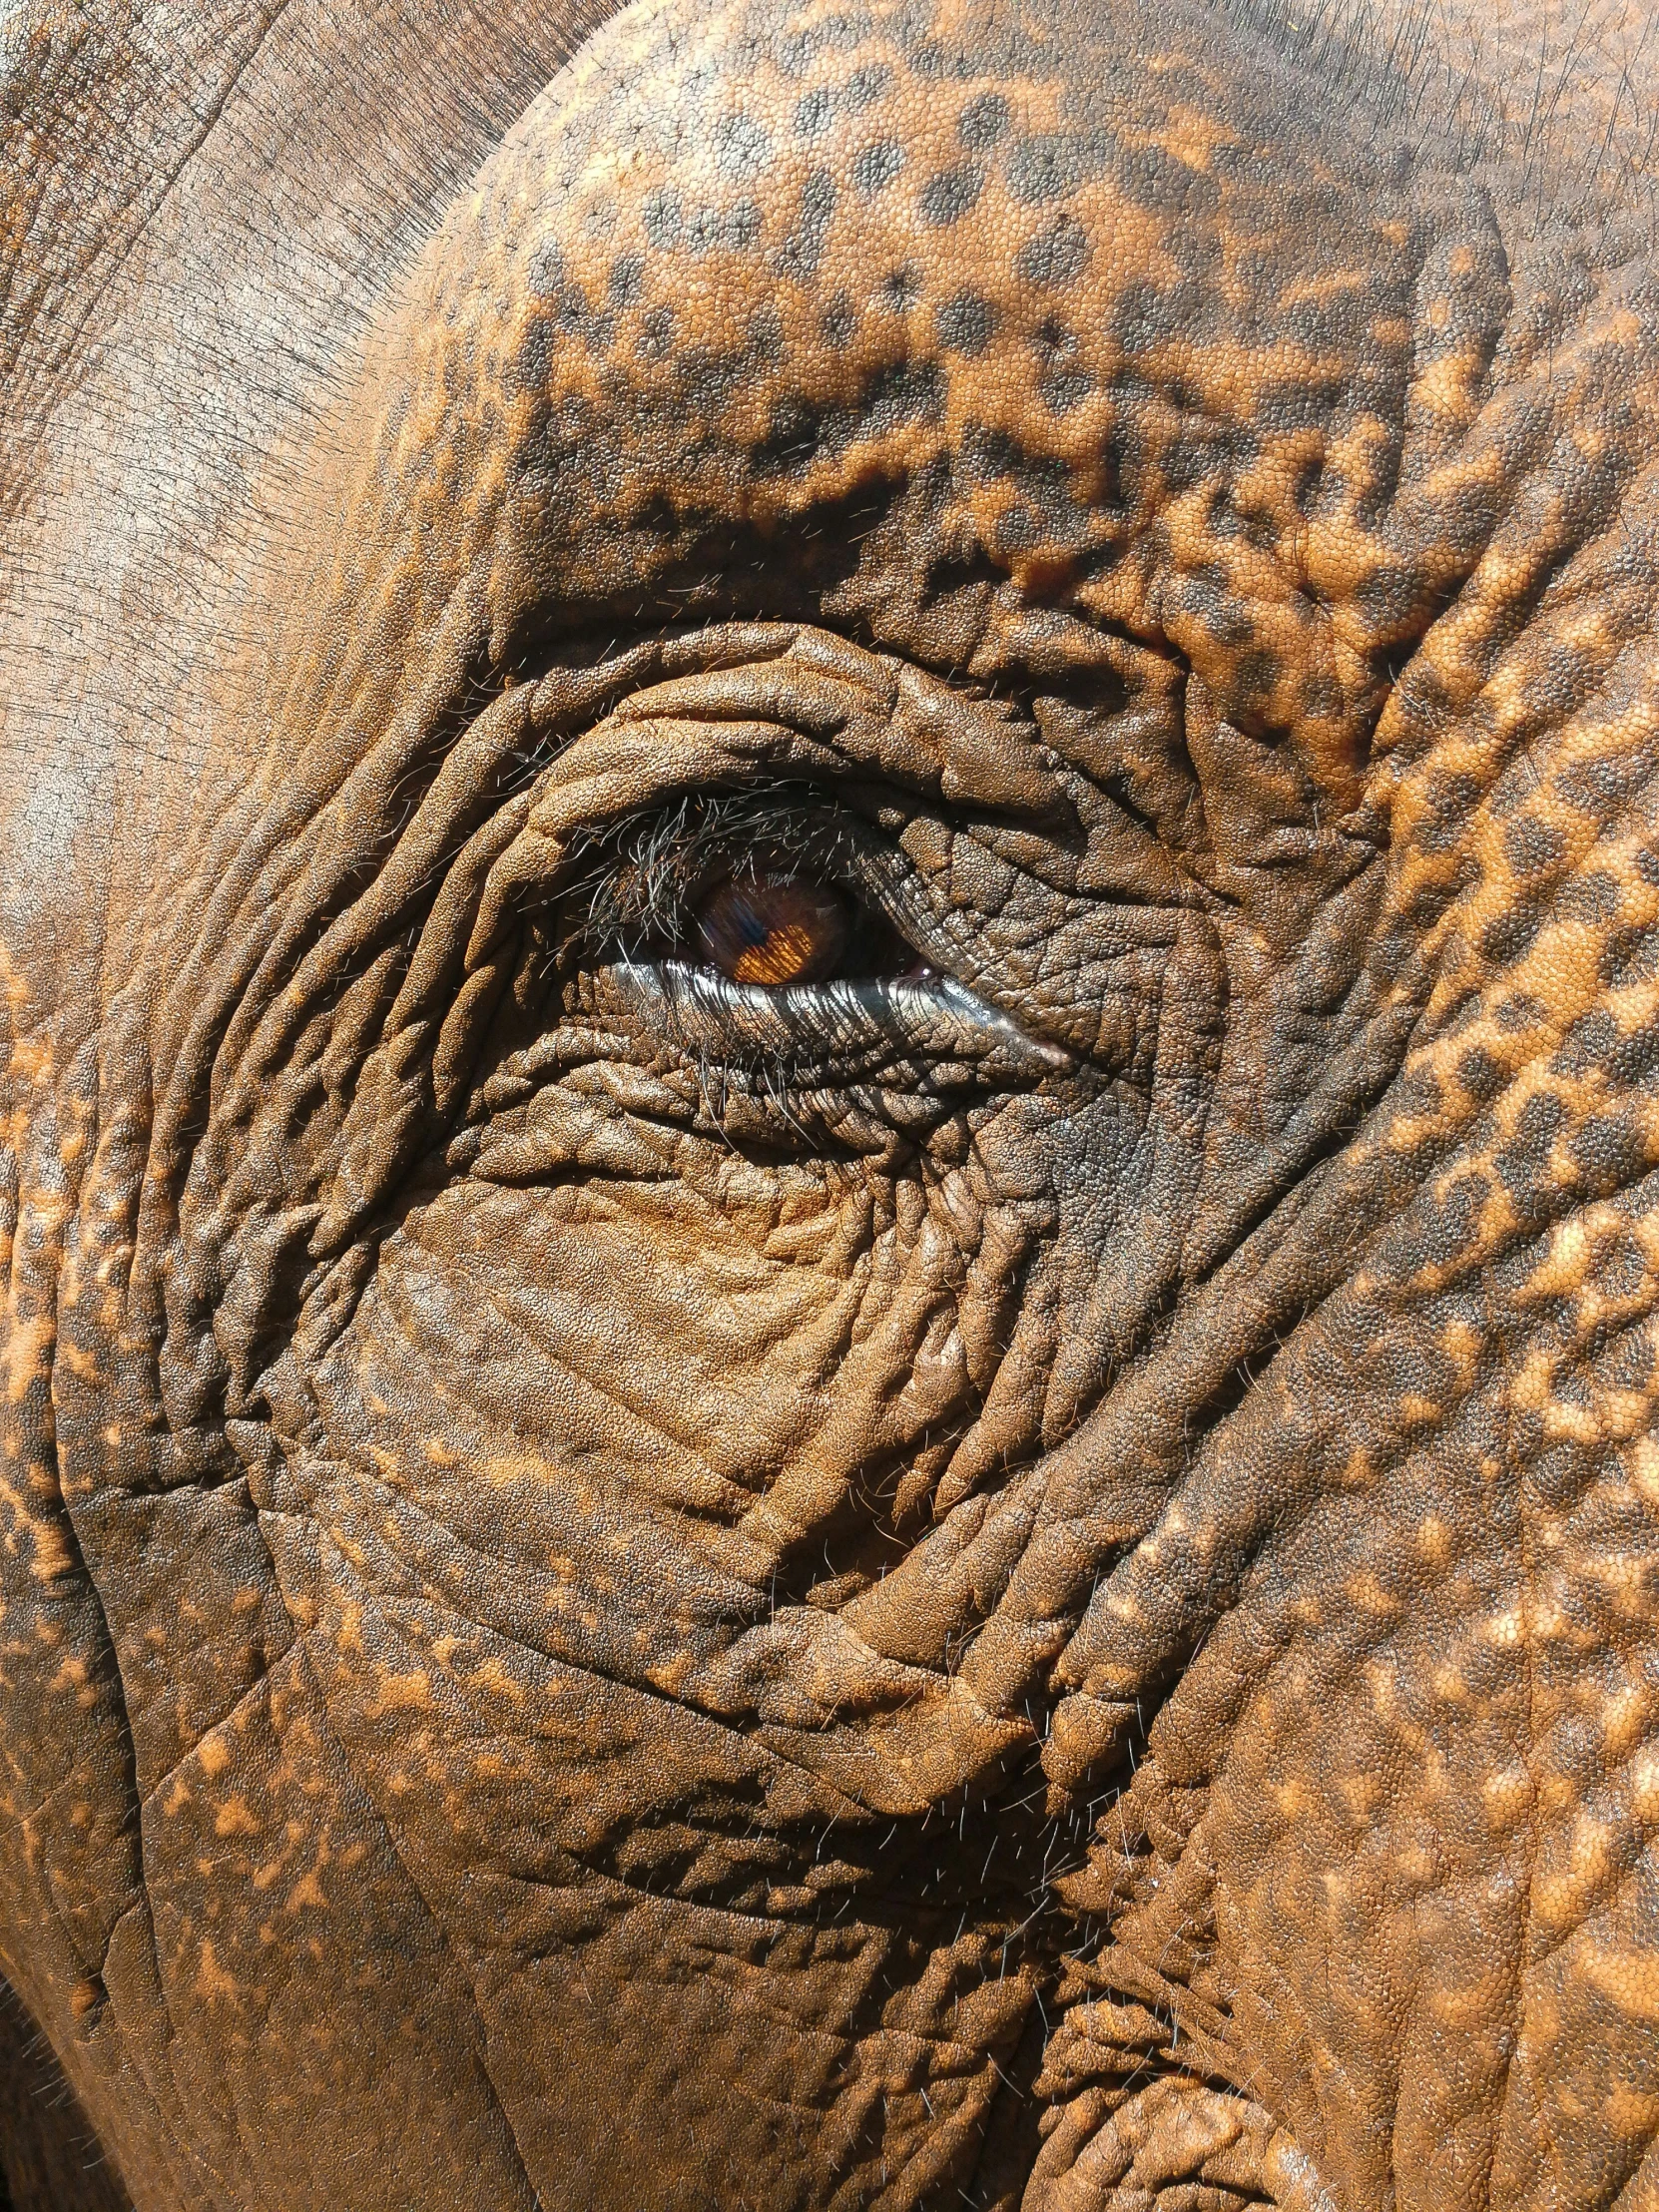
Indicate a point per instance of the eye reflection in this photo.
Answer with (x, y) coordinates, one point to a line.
(774, 932)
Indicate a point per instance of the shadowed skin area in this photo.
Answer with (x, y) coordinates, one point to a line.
(1018, 1573)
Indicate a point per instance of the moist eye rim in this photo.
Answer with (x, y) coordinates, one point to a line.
(936, 1016)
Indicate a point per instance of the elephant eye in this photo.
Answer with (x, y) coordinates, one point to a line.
(775, 893)
(775, 953)
(761, 931)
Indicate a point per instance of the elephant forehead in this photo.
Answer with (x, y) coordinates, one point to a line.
(740, 269)
(838, 246)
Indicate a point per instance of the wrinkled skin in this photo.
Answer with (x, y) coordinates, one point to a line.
(1021, 1579)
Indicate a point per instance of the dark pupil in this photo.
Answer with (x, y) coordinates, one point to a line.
(760, 933)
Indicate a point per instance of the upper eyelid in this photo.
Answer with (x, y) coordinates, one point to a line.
(827, 847)
(749, 705)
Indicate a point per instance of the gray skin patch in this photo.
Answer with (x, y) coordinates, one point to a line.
(742, 146)
(950, 194)
(875, 166)
(984, 121)
(966, 323)
(1055, 257)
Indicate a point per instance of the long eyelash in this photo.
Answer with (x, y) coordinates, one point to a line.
(641, 875)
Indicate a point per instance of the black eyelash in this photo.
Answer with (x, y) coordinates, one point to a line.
(637, 881)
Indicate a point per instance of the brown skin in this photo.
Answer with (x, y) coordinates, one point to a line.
(1028, 1583)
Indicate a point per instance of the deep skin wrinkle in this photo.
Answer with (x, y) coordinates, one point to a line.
(1026, 1582)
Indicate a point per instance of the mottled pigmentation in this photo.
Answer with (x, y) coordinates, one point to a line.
(829, 1360)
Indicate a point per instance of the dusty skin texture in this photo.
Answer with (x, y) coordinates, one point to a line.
(1021, 1575)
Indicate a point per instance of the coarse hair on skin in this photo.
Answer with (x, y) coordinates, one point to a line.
(1548, 102)
(1554, 96)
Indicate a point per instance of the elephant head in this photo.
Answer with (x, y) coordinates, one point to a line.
(831, 947)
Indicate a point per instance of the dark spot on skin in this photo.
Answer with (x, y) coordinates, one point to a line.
(1593, 897)
(734, 228)
(1597, 1042)
(1508, 936)
(1281, 407)
(839, 322)
(900, 290)
(1051, 164)
(794, 51)
(1064, 389)
(1016, 528)
(1532, 846)
(890, 399)
(1060, 389)
(1522, 1012)
(599, 334)
(964, 325)
(1610, 1152)
(1448, 1219)
(844, 34)
(1158, 180)
(866, 85)
(1631, 956)
(912, 392)
(742, 147)
(1633, 1060)
(1451, 802)
(1388, 596)
(1599, 788)
(547, 271)
(800, 257)
(1256, 676)
(813, 113)
(950, 194)
(974, 571)
(984, 121)
(1482, 1076)
(1042, 480)
(765, 333)
(662, 217)
(534, 362)
(1321, 695)
(1420, 1095)
(627, 283)
(1057, 256)
(875, 166)
(656, 334)
(794, 434)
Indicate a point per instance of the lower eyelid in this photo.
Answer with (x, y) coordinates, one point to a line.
(855, 1027)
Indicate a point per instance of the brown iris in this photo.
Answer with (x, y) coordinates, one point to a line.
(774, 932)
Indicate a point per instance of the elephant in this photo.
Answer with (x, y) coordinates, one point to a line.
(829, 1143)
